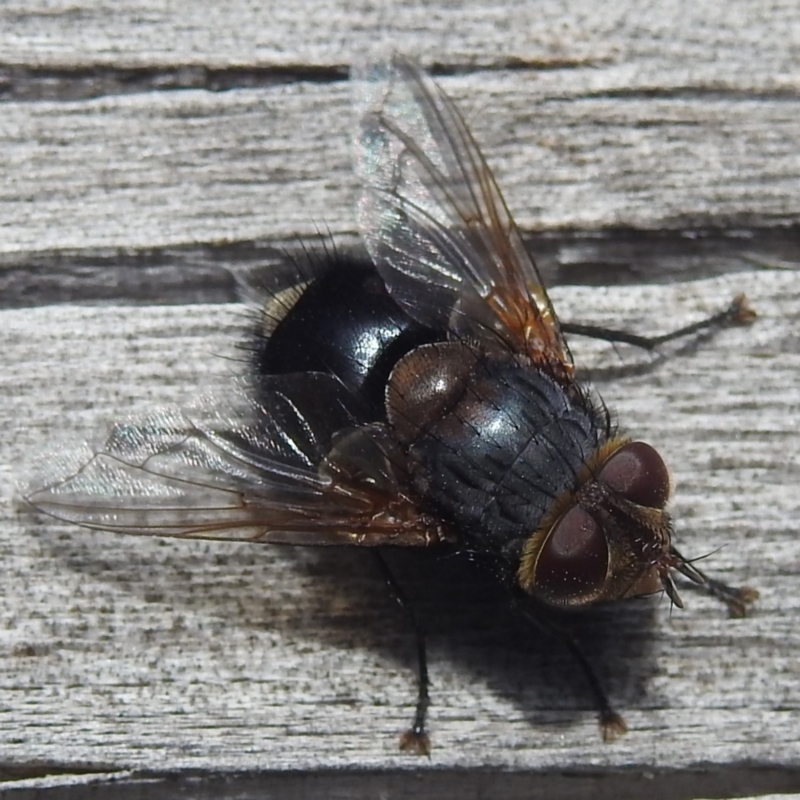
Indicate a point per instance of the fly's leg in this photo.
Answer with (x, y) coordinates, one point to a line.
(612, 725)
(415, 739)
(737, 313)
(737, 598)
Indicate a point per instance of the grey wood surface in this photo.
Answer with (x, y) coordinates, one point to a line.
(648, 150)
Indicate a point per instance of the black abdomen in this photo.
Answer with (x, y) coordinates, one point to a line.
(344, 324)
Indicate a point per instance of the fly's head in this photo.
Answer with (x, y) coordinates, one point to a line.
(607, 539)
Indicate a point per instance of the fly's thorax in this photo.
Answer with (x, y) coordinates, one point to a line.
(608, 537)
(491, 439)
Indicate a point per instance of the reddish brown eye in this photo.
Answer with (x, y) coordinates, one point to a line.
(573, 562)
(638, 473)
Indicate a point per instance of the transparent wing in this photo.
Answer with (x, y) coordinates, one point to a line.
(434, 219)
(238, 469)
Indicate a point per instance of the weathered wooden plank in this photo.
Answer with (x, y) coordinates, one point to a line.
(123, 653)
(118, 654)
(150, 170)
(687, 39)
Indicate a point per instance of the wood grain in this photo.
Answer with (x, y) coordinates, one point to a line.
(159, 168)
(176, 655)
(674, 124)
(153, 151)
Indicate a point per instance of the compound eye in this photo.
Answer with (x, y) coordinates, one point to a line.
(573, 562)
(638, 473)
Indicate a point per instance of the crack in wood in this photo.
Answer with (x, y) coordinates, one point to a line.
(69, 83)
(591, 784)
(203, 272)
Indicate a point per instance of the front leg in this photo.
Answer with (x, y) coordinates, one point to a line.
(612, 725)
(736, 598)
